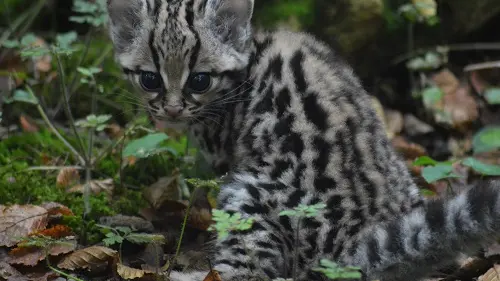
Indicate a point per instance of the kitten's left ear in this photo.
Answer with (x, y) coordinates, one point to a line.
(231, 20)
(126, 17)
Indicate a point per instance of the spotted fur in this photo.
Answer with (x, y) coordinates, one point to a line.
(292, 124)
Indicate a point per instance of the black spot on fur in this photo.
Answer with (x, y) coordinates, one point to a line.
(282, 101)
(314, 112)
(298, 72)
(295, 198)
(293, 143)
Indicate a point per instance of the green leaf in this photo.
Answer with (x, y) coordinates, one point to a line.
(482, 168)
(334, 271)
(487, 139)
(143, 147)
(424, 161)
(11, 44)
(438, 172)
(28, 39)
(431, 96)
(427, 192)
(144, 238)
(492, 95)
(64, 40)
(112, 238)
(24, 96)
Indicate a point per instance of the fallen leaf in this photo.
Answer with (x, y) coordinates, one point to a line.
(394, 122)
(450, 101)
(56, 232)
(409, 151)
(7, 271)
(446, 81)
(27, 124)
(128, 273)
(55, 209)
(491, 275)
(18, 221)
(165, 189)
(213, 276)
(96, 187)
(114, 131)
(30, 256)
(86, 258)
(67, 177)
(200, 218)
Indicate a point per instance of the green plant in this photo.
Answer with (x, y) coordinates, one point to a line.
(300, 212)
(333, 271)
(225, 223)
(117, 235)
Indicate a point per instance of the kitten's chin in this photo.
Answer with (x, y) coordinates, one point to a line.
(176, 125)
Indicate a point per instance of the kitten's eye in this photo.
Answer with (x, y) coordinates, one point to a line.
(150, 81)
(199, 82)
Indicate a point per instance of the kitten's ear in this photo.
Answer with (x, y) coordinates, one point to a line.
(125, 18)
(231, 20)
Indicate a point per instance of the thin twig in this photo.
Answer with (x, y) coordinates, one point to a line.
(178, 250)
(483, 65)
(58, 135)
(495, 46)
(67, 107)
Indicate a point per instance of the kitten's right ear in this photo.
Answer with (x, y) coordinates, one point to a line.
(125, 19)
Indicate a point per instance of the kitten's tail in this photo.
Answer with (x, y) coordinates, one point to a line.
(430, 237)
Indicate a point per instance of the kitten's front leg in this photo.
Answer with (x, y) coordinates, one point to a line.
(250, 255)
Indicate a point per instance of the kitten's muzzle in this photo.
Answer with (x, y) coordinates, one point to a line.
(173, 111)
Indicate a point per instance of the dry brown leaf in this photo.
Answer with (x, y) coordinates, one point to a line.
(164, 190)
(128, 273)
(200, 218)
(409, 151)
(96, 187)
(213, 276)
(43, 63)
(55, 209)
(27, 124)
(86, 258)
(394, 122)
(491, 275)
(67, 177)
(8, 272)
(446, 81)
(461, 107)
(18, 221)
(56, 232)
(30, 256)
(457, 108)
(114, 131)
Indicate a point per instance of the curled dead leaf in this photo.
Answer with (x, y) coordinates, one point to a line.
(165, 190)
(88, 257)
(129, 273)
(55, 209)
(67, 177)
(96, 187)
(200, 218)
(409, 151)
(491, 275)
(18, 221)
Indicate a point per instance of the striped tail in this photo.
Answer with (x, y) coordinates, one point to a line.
(430, 237)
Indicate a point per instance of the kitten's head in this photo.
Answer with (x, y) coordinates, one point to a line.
(185, 56)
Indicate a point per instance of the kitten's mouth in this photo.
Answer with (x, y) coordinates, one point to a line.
(169, 123)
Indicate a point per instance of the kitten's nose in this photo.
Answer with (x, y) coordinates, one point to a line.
(173, 110)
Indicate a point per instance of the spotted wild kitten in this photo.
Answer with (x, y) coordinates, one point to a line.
(291, 123)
